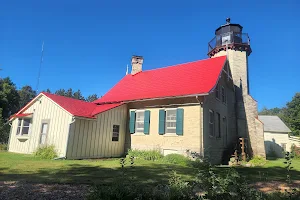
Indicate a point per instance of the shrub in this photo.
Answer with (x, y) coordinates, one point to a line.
(295, 151)
(145, 154)
(176, 159)
(257, 161)
(3, 147)
(46, 152)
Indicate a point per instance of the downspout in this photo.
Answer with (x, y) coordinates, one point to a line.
(201, 125)
(73, 121)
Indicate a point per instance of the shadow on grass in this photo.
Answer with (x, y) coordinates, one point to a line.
(82, 174)
(272, 158)
(150, 174)
(255, 174)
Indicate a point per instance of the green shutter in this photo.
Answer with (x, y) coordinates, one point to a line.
(146, 121)
(179, 121)
(161, 125)
(132, 122)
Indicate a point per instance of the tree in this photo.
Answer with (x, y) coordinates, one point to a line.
(78, 95)
(69, 93)
(292, 114)
(92, 98)
(9, 98)
(272, 111)
(26, 94)
(61, 92)
(4, 129)
(48, 91)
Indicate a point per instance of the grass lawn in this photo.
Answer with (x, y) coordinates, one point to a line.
(19, 167)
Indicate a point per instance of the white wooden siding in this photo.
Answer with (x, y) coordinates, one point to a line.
(93, 138)
(42, 109)
(273, 142)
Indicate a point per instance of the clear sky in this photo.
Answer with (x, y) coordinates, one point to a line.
(89, 43)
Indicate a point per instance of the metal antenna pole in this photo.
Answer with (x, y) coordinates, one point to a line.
(39, 74)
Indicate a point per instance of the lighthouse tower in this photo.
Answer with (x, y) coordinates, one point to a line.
(231, 41)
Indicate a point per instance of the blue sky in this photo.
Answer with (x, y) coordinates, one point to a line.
(89, 43)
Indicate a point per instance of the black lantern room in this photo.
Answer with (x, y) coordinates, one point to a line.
(229, 36)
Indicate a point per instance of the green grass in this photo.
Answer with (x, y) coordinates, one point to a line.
(19, 167)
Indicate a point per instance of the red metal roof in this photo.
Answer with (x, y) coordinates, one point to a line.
(80, 108)
(20, 115)
(73, 106)
(197, 77)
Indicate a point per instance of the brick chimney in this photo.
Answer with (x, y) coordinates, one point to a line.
(136, 63)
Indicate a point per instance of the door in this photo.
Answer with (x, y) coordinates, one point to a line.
(44, 131)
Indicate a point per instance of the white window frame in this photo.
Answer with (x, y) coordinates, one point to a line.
(139, 130)
(223, 95)
(211, 123)
(167, 128)
(21, 126)
(116, 132)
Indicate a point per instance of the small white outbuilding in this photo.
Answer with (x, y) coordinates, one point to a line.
(276, 135)
(76, 128)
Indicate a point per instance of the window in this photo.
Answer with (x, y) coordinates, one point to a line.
(116, 130)
(283, 145)
(211, 123)
(218, 129)
(171, 121)
(23, 126)
(217, 91)
(223, 92)
(139, 121)
(19, 126)
(44, 131)
(26, 125)
(225, 130)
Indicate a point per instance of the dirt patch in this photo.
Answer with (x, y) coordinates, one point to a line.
(23, 190)
(275, 186)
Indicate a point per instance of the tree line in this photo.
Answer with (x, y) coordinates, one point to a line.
(289, 114)
(12, 100)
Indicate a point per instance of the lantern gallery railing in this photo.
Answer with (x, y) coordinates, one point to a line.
(229, 38)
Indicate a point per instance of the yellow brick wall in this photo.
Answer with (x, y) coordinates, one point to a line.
(191, 139)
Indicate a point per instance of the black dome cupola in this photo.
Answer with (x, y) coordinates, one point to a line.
(229, 36)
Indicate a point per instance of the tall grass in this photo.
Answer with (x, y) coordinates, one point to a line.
(145, 154)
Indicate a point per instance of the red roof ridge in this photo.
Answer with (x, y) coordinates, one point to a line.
(61, 96)
(176, 65)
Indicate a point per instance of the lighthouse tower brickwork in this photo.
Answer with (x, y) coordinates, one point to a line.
(231, 41)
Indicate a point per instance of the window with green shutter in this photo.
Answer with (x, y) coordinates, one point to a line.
(132, 122)
(147, 122)
(179, 121)
(161, 123)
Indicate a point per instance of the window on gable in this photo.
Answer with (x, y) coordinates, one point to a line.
(139, 121)
(171, 121)
(223, 93)
(211, 123)
(218, 124)
(23, 126)
(19, 126)
(116, 133)
(26, 125)
(217, 91)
